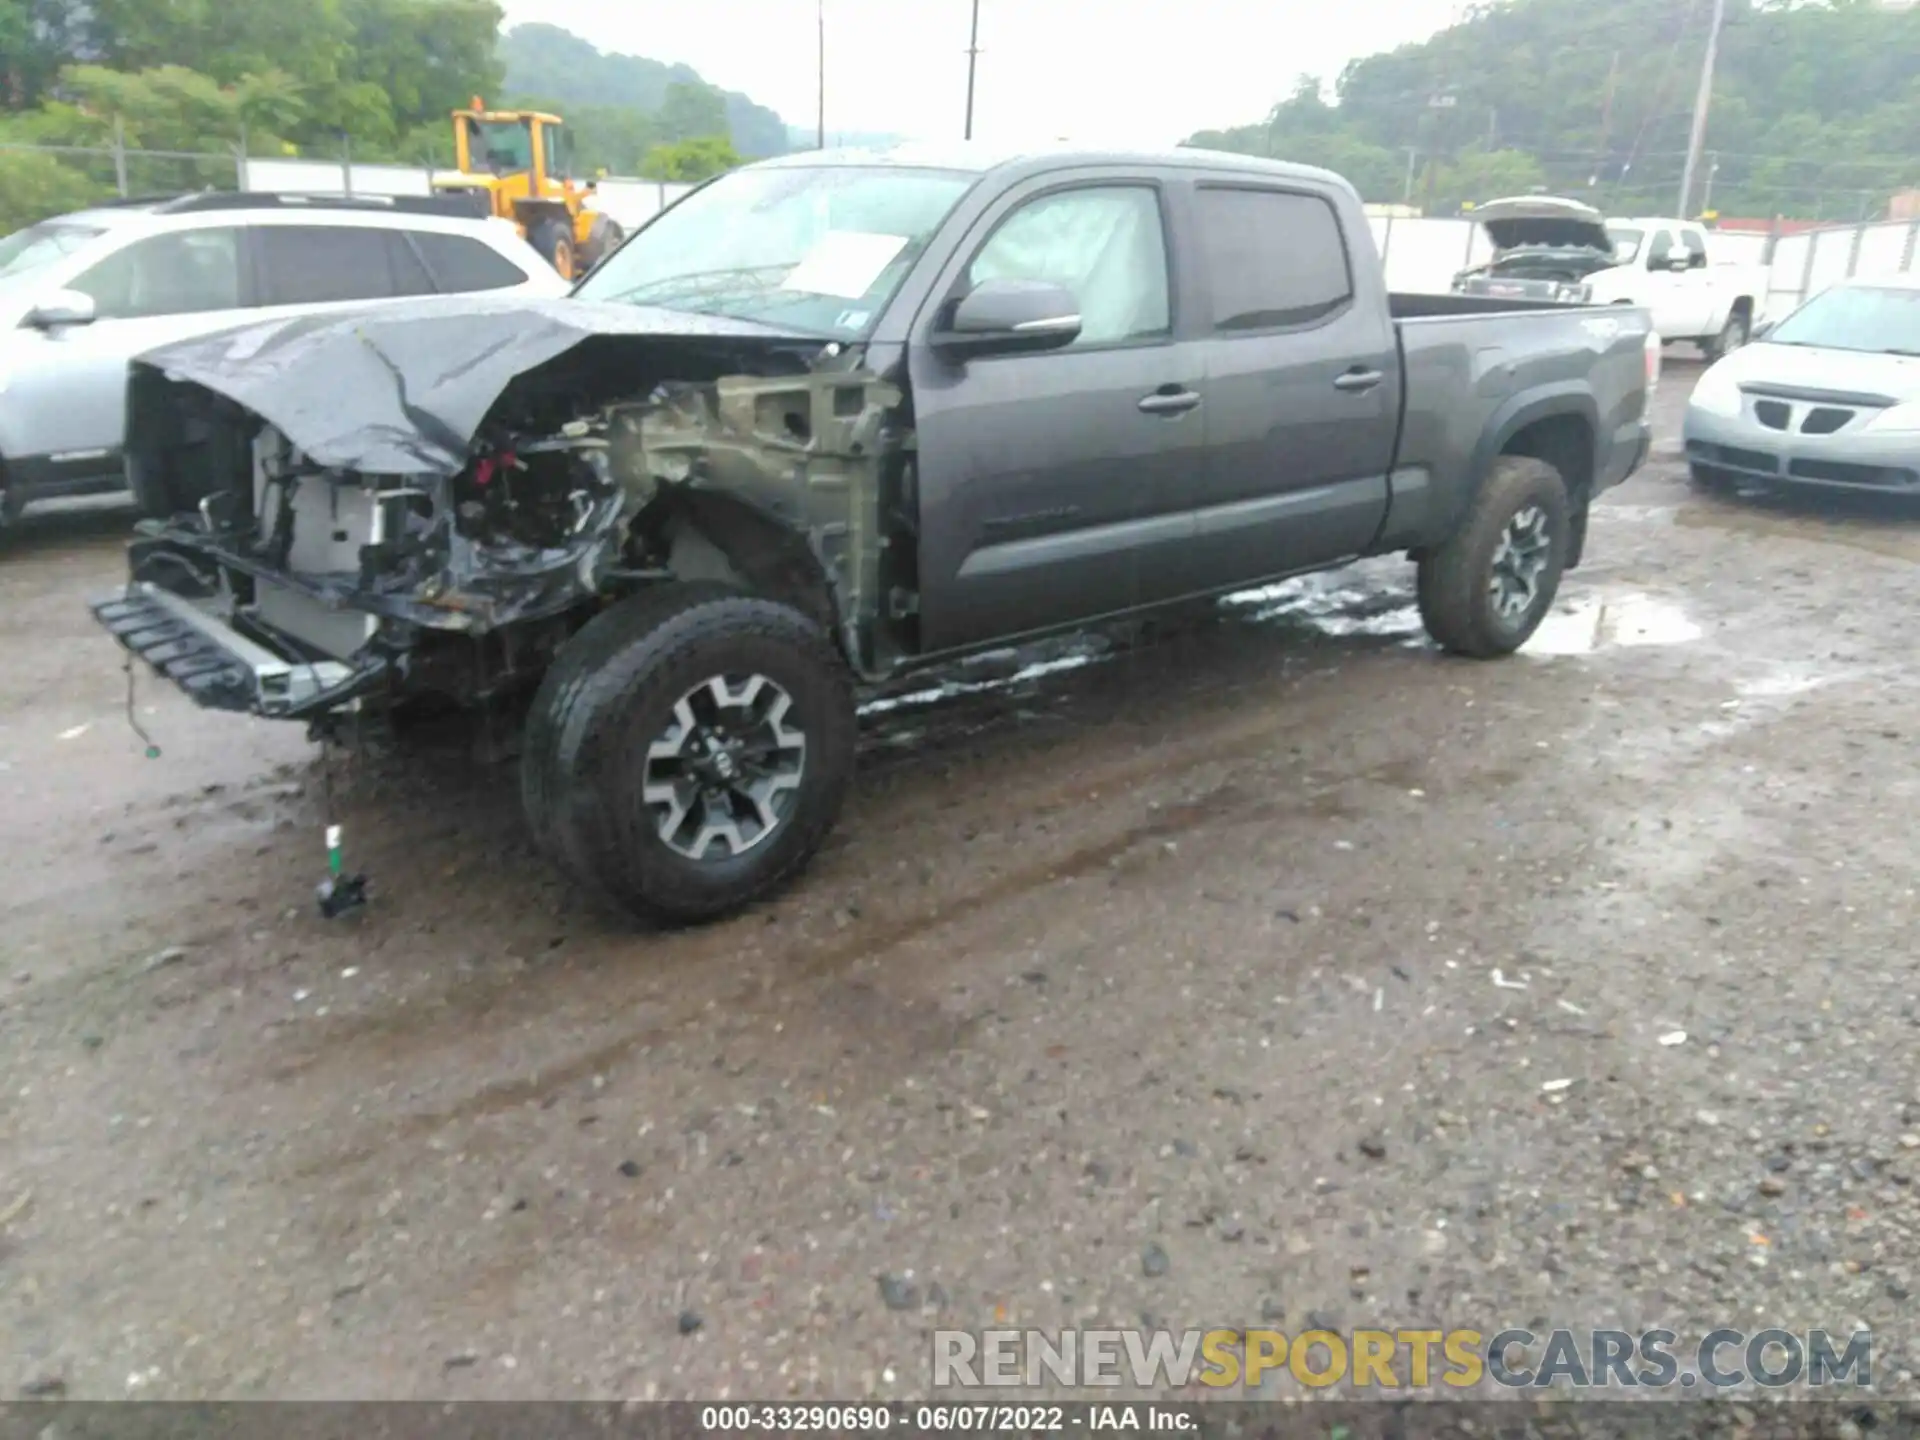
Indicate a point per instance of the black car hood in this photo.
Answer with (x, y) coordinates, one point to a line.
(403, 389)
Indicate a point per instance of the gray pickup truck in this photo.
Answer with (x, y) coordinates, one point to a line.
(829, 418)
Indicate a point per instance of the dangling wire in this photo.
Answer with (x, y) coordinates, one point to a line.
(133, 720)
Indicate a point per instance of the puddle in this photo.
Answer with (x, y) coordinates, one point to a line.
(1338, 610)
(1082, 653)
(1590, 623)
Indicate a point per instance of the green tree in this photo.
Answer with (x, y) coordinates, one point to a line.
(690, 160)
(546, 60)
(1814, 113)
(1477, 176)
(690, 112)
(33, 186)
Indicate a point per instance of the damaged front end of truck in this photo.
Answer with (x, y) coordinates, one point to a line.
(352, 513)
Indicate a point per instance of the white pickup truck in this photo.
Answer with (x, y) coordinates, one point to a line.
(1548, 248)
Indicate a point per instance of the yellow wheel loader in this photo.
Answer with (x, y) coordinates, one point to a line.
(517, 164)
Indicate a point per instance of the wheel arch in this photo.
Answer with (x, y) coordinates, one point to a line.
(714, 535)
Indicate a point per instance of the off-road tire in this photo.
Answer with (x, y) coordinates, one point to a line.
(611, 691)
(553, 238)
(1455, 579)
(1734, 334)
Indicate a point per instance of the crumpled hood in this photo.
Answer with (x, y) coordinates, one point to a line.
(1894, 377)
(403, 389)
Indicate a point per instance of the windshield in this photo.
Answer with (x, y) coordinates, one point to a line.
(1626, 243)
(41, 244)
(819, 249)
(500, 146)
(1874, 318)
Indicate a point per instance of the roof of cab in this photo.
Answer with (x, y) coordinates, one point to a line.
(979, 157)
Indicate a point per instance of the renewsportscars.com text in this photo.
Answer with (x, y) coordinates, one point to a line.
(1401, 1359)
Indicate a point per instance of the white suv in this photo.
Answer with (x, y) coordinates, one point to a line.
(83, 294)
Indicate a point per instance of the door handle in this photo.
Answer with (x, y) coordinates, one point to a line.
(1169, 400)
(1358, 380)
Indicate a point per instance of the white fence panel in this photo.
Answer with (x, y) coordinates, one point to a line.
(1883, 248)
(330, 177)
(1832, 249)
(634, 202)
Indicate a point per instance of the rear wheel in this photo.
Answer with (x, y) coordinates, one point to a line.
(1732, 336)
(1485, 591)
(554, 241)
(688, 751)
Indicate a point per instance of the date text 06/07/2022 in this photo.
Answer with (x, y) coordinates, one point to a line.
(964, 1418)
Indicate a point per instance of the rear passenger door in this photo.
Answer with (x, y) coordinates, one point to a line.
(1302, 379)
(321, 265)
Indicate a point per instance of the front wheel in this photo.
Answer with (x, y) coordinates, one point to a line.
(554, 240)
(1485, 591)
(689, 750)
(1732, 336)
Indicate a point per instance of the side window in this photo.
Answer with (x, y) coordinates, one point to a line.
(1696, 243)
(460, 263)
(1272, 257)
(323, 264)
(550, 146)
(187, 272)
(1103, 243)
(1660, 250)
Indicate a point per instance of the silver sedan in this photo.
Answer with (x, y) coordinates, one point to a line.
(1828, 397)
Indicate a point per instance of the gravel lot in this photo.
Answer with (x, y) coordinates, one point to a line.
(1260, 946)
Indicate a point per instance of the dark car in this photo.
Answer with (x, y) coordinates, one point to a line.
(829, 418)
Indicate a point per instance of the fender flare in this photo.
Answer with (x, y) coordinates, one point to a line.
(1529, 407)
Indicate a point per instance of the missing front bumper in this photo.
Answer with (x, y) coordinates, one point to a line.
(221, 669)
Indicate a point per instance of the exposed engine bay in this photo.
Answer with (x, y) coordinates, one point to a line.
(1544, 248)
(1543, 272)
(421, 559)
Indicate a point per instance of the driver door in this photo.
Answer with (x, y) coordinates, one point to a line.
(1051, 485)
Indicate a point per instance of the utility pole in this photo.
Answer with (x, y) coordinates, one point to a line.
(1406, 197)
(820, 15)
(973, 56)
(1698, 135)
(1606, 120)
(1713, 169)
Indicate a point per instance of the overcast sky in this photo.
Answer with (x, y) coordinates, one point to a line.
(1130, 72)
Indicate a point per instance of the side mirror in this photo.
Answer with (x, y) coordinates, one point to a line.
(61, 309)
(1680, 260)
(1010, 317)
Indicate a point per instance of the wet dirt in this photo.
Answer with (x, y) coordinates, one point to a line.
(1180, 936)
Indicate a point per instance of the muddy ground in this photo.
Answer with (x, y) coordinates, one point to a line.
(1253, 954)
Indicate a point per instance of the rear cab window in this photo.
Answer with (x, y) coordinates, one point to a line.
(1273, 259)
